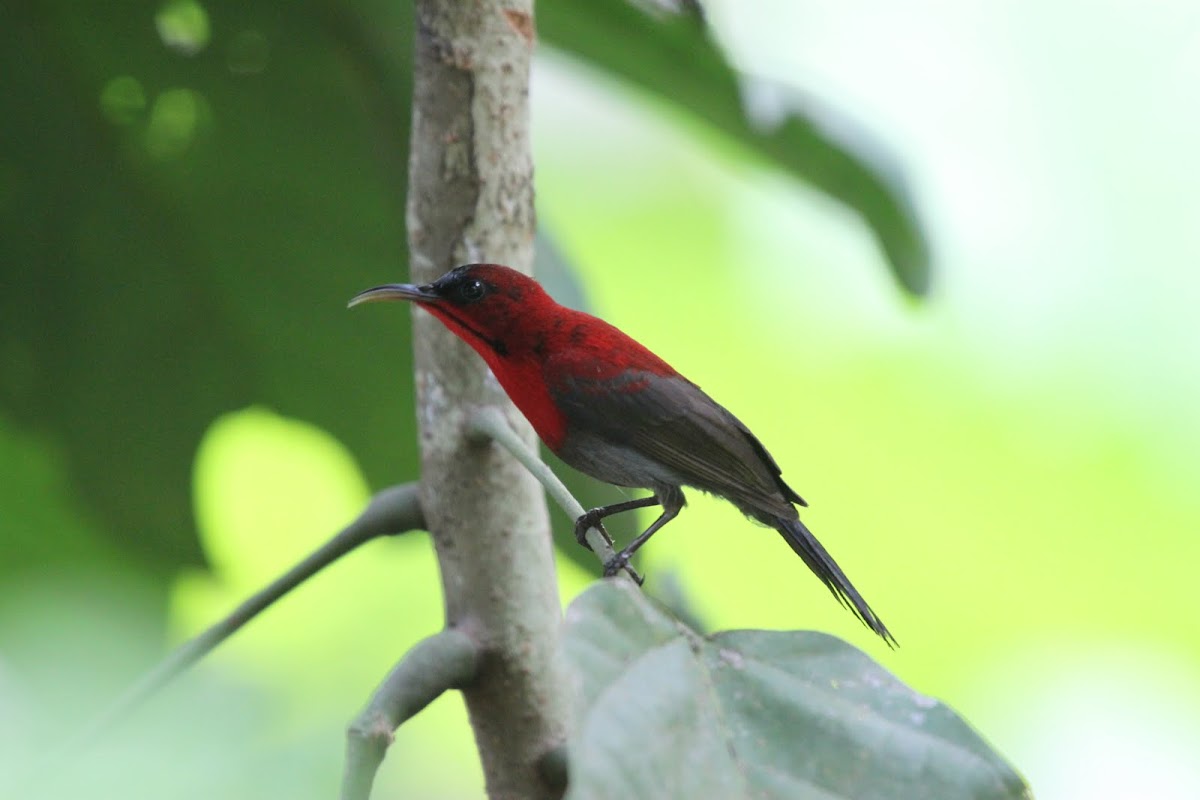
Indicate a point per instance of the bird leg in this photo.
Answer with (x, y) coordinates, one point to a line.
(591, 519)
(671, 501)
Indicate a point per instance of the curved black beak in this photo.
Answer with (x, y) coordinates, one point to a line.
(393, 291)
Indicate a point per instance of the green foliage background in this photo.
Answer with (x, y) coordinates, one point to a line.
(1006, 470)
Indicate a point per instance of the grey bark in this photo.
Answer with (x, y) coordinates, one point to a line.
(471, 199)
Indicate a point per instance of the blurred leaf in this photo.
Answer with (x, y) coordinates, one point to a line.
(760, 714)
(180, 235)
(42, 523)
(669, 589)
(73, 641)
(672, 56)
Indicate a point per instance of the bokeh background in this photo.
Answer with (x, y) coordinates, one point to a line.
(1006, 468)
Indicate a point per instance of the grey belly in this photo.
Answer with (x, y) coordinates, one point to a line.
(617, 464)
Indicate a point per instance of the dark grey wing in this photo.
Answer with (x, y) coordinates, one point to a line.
(672, 421)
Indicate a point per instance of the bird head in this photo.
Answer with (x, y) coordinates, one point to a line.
(493, 308)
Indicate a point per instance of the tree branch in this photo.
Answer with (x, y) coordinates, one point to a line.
(470, 198)
(446, 660)
(392, 511)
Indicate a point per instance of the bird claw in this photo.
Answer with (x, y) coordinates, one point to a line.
(615, 564)
(588, 520)
(619, 562)
(592, 519)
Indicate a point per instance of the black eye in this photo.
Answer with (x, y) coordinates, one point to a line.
(472, 290)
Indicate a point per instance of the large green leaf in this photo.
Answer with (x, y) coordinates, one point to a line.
(180, 233)
(664, 712)
(672, 56)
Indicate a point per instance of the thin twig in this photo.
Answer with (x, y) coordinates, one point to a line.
(490, 423)
(446, 660)
(392, 511)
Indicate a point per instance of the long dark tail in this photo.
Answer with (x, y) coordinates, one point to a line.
(820, 562)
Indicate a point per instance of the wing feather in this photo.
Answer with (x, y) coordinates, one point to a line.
(672, 421)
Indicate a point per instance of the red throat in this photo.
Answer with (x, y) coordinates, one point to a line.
(521, 378)
(531, 343)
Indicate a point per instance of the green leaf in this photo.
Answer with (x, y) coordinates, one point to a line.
(673, 57)
(180, 234)
(664, 712)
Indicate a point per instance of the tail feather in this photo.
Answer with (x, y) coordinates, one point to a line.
(821, 563)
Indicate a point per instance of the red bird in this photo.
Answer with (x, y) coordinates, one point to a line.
(612, 409)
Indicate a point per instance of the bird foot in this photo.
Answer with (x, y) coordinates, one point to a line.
(592, 519)
(619, 562)
(587, 520)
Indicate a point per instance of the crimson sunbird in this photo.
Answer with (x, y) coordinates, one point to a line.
(612, 409)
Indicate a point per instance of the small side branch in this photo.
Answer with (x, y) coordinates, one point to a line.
(392, 511)
(446, 660)
(489, 423)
